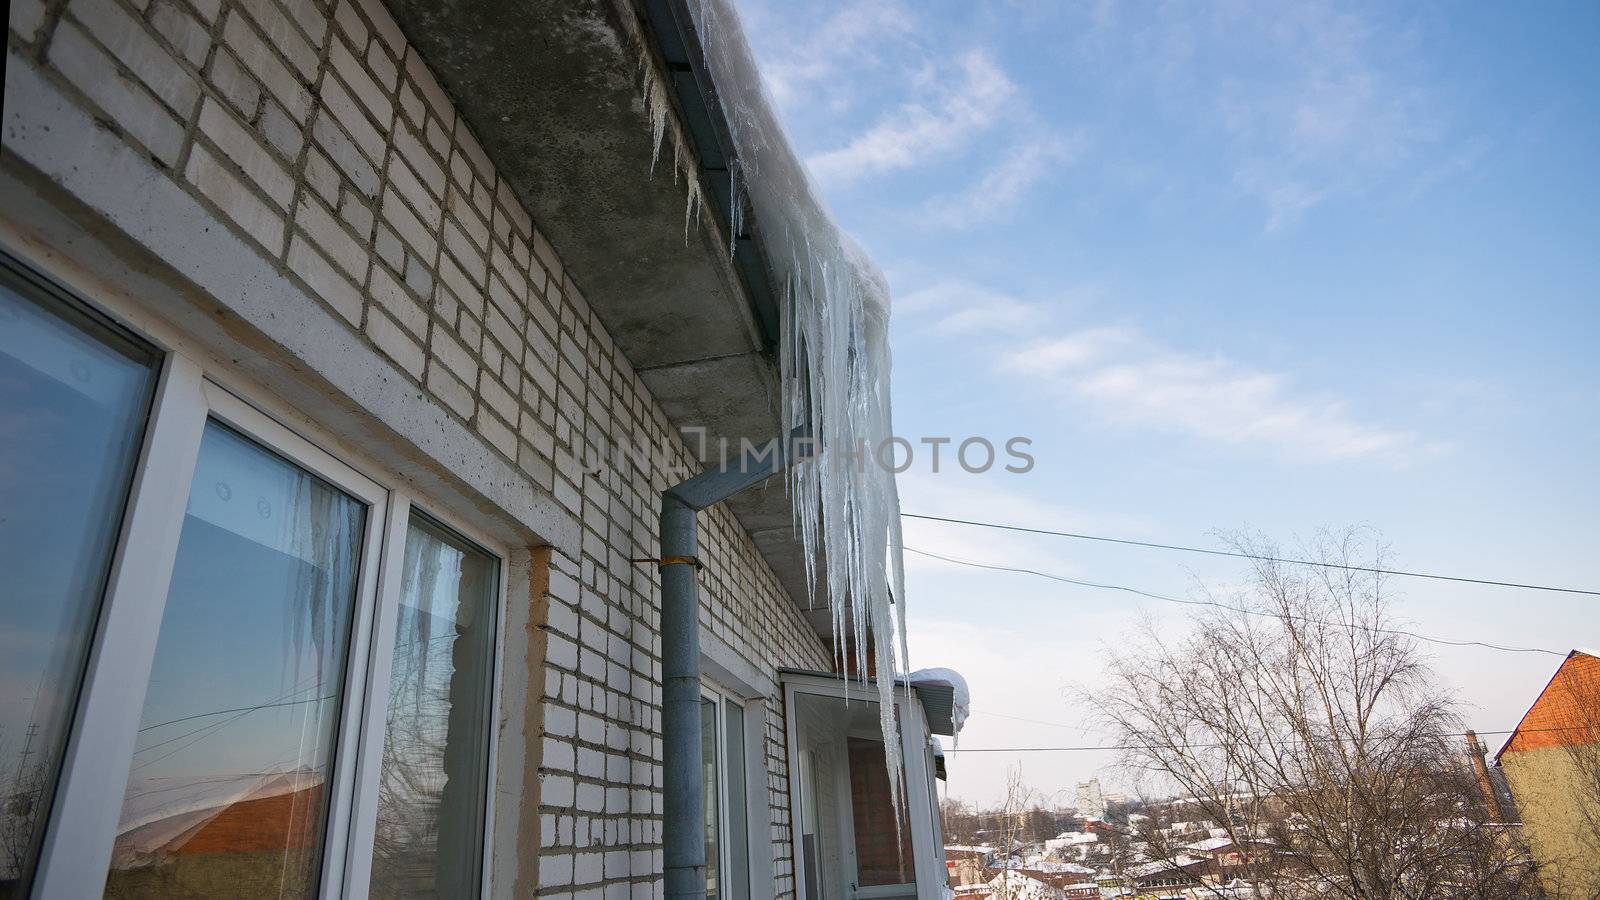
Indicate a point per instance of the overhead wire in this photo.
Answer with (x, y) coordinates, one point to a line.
(1216, 746)
(1212, 603)
(1242, 555)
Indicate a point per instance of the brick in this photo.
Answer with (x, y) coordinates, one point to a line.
(398, 345)
(438, 100)
(407, 225)
(322, 176)
(497, 433)
(457, 358)
(324, 279)
(305, 14)
(387, 243)
(236, 85)
(351, 23)
(208, 9)
(282, 131)
(464, 251)
(405, 181)
(237, 201)
(468, 142)
(282, 34)
(337, 100)
(128, 104)
(181, 30)
(366, 89)
(344, 153)
(382, 66)
(498, 399)
(411, 105)
(438, 137)
(449, 388)
(422, 162)
(323, 230)
(419, 277)
(259, 58)
(474, 227)
(385, 25)
(357, 214)
(555, 870)
(240, 145)
(127, 40)
(26, 17)
(398, 302)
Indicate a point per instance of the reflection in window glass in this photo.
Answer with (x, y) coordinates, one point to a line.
(708, 759)
(738, 829)
(431, 793)
(229, 783)
(73, 401)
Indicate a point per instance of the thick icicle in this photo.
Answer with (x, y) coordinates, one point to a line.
(834, 368)
(833, 364)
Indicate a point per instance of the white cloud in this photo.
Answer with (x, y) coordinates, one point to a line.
(1128, 379)
(855, 36)
(963, 307)
(926, 129)
(1028, 163)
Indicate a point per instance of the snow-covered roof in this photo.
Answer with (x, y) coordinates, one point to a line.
(1183, 861)
(944, 696)
(1022, 887)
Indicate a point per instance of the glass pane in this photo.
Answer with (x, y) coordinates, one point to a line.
(228, 789)
(738, 838)
(73, 401)
(431, 793)
(708, 758)
(883, 848)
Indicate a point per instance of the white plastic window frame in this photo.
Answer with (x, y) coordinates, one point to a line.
(927, 860)
(721, 698)
(79, 837)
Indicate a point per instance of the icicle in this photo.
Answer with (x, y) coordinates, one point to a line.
(692, 208)
(735, 208)
(655, 109)
(833, 364)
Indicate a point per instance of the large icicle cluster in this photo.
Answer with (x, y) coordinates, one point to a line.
(834, 367)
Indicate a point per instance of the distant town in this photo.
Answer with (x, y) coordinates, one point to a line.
(1527, 828)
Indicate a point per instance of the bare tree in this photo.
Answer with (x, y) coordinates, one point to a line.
(1013, 822)
(1295, 716)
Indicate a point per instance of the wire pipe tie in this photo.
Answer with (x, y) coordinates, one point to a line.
(663, 562)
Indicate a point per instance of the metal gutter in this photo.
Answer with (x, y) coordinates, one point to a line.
(671, 24)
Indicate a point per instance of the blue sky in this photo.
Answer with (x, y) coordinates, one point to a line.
(1229, 265)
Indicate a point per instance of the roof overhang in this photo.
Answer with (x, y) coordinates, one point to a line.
(552, 91)
(939, 705)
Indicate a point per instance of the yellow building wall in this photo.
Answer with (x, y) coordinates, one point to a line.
(1549, 793)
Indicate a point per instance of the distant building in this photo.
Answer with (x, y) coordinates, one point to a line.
(1091, 800)
(1552, 761)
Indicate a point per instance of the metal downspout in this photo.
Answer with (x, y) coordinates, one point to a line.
(682, 781)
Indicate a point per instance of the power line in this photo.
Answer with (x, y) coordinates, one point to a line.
(1213, 603)
(1450, 734)
(1239, 555)
(220, 712)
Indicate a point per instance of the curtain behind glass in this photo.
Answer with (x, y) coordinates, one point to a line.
(433, 783)
(73, 401)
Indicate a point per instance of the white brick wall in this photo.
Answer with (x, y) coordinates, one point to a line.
(314, 131)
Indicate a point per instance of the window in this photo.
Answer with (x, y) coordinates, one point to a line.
(431, 789)
(74, 394)
(228, 788)
(250, 670)
(722, 756)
